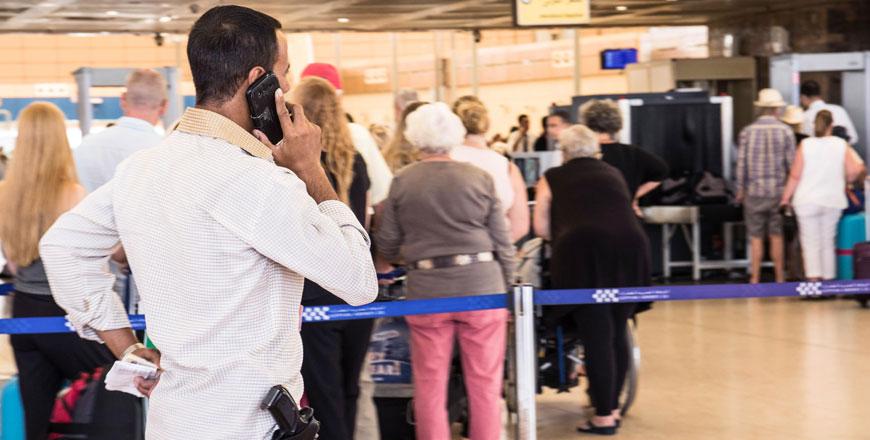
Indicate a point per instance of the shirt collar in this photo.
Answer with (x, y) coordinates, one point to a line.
(135, 123)
(817, 104)
(202, 122)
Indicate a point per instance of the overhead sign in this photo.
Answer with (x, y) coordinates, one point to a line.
(551, 12)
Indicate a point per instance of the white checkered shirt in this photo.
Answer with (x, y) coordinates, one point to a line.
(219, 241)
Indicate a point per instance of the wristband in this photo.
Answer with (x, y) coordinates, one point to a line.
(132, 348)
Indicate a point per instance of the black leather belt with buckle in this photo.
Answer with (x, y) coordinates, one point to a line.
(453, 261)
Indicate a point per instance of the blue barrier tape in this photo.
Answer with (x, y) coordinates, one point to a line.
(498, 301)
(309, 314)
(694, 292)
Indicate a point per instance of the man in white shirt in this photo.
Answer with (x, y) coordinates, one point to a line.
(811, 100)
(143, 103)
(379, 172)
(221, 228)
(520, 141)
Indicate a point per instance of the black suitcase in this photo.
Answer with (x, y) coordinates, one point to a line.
(861, 265)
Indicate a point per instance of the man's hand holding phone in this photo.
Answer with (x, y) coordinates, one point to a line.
(300, 149)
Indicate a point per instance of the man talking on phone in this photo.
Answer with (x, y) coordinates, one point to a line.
(221, 228)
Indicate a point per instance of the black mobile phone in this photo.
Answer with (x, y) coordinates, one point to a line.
(261, 103)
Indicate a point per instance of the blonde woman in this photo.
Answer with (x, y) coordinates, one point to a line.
(40, 185)
(509, 184)
(399, 153)
(334, 351)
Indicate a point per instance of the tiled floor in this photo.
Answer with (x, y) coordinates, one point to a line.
(742, 369)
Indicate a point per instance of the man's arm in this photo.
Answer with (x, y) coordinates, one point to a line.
(75, 251)
(299, 222)
(846, 121)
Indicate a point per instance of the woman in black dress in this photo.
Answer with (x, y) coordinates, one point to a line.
(334, 351)
(585, 209)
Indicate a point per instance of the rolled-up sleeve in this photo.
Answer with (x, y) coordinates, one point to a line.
(324, 243)
(75, 252)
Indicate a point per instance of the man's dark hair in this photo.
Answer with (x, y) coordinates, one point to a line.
(811, 88)
(563, 115)
(224, 45)
(521, 117)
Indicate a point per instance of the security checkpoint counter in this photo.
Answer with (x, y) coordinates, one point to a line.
(687, 219)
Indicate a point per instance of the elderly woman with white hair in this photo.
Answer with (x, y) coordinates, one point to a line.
(584, 208)
(442, 219)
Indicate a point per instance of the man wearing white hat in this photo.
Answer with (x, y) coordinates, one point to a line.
(765, 154)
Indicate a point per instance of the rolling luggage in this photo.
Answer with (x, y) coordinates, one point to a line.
(850, 232)
(861, 257)
(12, 423)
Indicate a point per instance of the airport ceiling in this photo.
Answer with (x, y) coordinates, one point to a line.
(139, 16)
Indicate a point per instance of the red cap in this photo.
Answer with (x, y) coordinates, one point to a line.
(325, 71)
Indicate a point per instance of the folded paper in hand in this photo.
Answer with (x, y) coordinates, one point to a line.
(123, 374)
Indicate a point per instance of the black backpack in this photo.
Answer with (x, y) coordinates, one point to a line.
(88, 411)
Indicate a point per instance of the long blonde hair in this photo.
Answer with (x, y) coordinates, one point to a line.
(38, 179)
(399, 153)
(320, 102)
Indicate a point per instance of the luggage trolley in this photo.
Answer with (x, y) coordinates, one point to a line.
(560, 351)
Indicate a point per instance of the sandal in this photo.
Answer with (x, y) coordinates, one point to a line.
(597, 430)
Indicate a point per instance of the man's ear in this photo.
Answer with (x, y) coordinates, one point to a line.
(254, 74)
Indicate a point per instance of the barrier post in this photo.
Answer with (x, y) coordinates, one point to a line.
(526, 376)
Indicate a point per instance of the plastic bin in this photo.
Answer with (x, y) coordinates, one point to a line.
(850, 231)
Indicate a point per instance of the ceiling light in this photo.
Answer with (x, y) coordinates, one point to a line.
(343, 20)
(112, 13)
(165, 19)
(621, 8)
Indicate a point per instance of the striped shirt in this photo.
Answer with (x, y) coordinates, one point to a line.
(221, 240)
(764, 156)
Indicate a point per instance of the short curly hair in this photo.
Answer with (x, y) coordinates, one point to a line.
(602, 116)
(434, 129)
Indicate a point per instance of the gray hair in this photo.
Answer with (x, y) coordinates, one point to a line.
(578, 141)
(405, 97)
(146, 89)
(434, 129)
(602, 116)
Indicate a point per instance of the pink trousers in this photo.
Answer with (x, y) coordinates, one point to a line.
(481, 336)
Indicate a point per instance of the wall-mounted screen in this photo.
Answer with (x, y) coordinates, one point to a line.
(613, 59)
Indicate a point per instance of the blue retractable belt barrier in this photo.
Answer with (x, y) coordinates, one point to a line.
(500, 301)
(309, 314)
(693, 292)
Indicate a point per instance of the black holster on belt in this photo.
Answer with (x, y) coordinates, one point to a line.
(293, 423)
